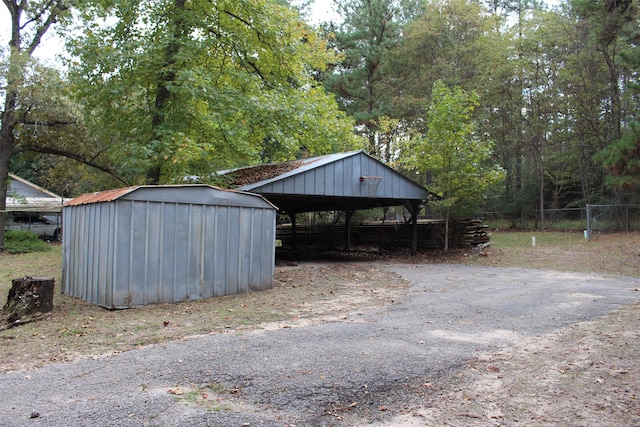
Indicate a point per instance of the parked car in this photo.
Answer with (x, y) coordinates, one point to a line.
(43, 227)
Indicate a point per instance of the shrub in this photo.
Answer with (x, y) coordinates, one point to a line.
(22, 242)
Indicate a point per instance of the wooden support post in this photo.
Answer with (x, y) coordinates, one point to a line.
(415, 208)
(292, 217)
(347, 229)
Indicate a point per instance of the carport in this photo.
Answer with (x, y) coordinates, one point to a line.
(335, 182)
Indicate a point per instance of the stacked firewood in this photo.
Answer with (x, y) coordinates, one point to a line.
(464, 234)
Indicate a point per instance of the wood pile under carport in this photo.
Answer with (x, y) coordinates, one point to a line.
(468, 233)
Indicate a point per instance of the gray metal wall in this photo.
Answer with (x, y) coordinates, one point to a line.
(128, 252)
(341, 178)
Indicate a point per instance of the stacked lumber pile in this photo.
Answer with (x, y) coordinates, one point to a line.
(464, 234)
(470, 233)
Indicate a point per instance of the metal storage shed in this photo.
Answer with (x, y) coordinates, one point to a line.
(155, 244)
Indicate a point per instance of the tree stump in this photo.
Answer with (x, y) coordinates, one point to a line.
(29, 298)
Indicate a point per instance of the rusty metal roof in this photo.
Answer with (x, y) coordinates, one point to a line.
(222, 195)
(102, 196)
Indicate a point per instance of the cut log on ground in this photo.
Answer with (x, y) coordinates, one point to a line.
(29, 298)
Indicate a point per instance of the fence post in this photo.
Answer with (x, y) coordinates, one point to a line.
(626, 219)
(588, 222)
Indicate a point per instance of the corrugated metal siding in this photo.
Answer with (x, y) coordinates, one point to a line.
(131, 252)
(341, 178)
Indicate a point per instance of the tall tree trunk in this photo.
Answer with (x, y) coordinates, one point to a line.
(616, 111)
(446, 230)
(6, 148)
(7, 126)
(166, 77)
(15, 75)
(541, 180)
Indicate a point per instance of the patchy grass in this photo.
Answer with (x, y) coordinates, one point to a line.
(77, 328)
(35, 264)
(301, 294)
(616, 254)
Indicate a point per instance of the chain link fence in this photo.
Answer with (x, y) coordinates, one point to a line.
(591, 219)
(558, 219)
(608, 218)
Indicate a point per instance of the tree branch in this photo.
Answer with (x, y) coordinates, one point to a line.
(74, 156)
(52, 19)
(244, 21)
(49, 123)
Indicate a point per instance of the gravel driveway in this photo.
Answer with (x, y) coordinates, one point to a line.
(363, 369)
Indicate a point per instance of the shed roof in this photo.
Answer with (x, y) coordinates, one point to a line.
(342, 181)
(191, 193)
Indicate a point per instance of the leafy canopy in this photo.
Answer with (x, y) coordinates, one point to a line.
(455, 156)
(182, 87)
(621, 161)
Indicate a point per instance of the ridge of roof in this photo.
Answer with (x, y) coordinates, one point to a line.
(300, 165)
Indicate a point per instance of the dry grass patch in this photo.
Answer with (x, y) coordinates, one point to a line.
(77, 328)
(302, 294)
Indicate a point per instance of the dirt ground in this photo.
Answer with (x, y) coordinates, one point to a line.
(585, 374)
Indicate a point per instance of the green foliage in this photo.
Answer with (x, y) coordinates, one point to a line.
(164, 89)
(621, 161)
(22, 242)
(29, 22)
(368, 33)
(52, 142)
(179, 87)
(457, 159)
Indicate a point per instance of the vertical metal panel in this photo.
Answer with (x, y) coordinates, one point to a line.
(233, 249)
(352, 176)
(244, 251)
(104, 236)
(289, 186)
(194, 251)
(309, 182)
(341, 177)
(298, 184)
(338, 186)
(122, 268)
(320, 180)
(209, 252)
(154, 249)
(221, 237)
(278, 186)
(93, 254)
(354, 171)
(264, 222)
(181, 253)
(67, 224)
(330, 176)
(138, 260)
(167, 274)
(125, 253)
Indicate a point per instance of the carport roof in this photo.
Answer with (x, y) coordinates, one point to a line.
(342, 181)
